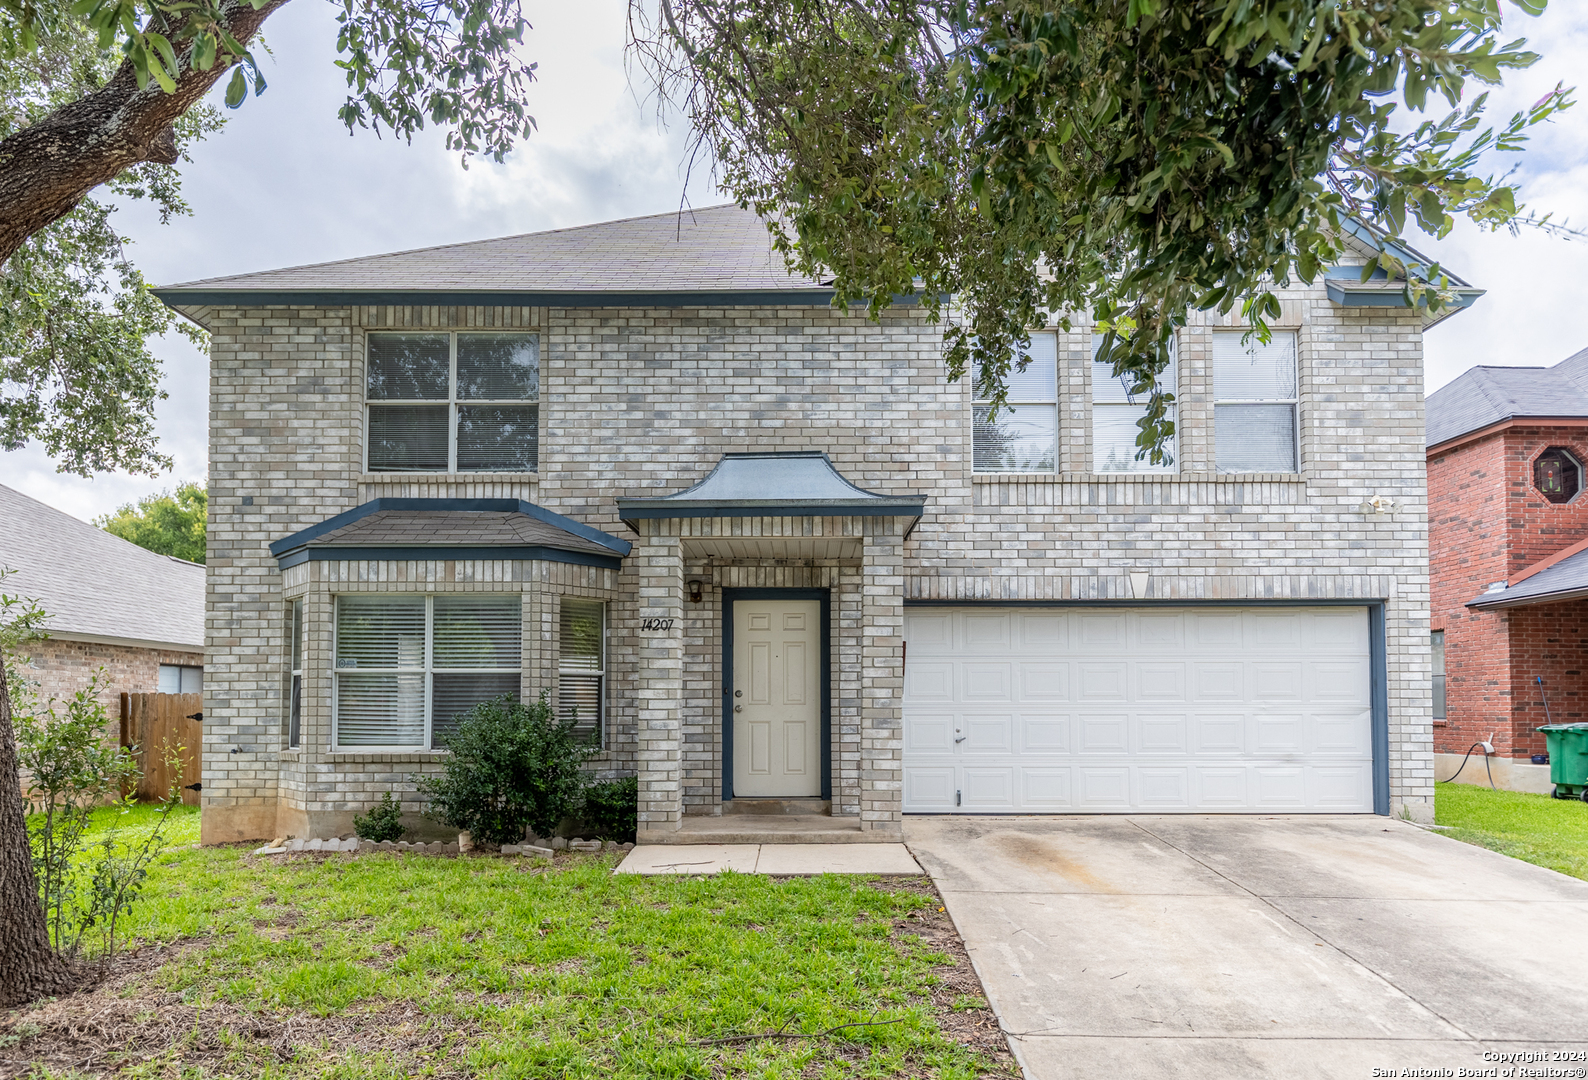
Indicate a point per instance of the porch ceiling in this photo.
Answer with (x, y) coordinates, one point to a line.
(845, 548)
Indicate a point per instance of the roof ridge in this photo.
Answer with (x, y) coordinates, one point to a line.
(450, 247)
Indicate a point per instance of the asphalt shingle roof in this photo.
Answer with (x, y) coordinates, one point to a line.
(1488, 395)
(715, 249)
(97, 585)
(1565, 580)
(454, 528)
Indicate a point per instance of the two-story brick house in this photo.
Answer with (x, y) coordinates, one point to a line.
(1507, 526)
(763, 549)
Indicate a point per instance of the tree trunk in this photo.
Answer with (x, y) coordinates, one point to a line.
(29, 968)
(46, 169)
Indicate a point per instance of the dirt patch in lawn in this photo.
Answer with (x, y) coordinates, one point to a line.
(958, 998)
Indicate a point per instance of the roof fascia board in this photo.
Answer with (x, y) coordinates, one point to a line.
(500, 298)
(501, 506)
(1375, 296)
(642, 509)
(125, 642)
(1528, 601)
(1506, 425)
(438, 553)
(1406, 255)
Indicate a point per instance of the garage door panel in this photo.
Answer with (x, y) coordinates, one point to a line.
(989, 788)
(1044, 680)
(929, 789)
(1222, 734)
(929, 680)
(1104, 788)
(1101, 681)
(1107, 733)
(1163, 788)
(929, 733)
(1163, 734)
(988, 735)
(1045, 734)
(1169, 710)
(1045, 789)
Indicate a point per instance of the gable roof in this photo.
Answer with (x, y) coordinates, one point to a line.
(1485, 396)
(94, 586)
(719, 254)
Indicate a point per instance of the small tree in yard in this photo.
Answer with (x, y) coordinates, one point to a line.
(512, 766)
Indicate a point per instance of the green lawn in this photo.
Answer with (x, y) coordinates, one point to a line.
(401, 965)
(1536, 828)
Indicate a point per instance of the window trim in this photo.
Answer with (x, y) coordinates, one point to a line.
(451, 402)
(292, 713)
(601, 694)
(1058, 398)
(428, 670)
(1146, 468)
(1294, 403)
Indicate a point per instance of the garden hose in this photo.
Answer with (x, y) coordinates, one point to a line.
(1463, 765)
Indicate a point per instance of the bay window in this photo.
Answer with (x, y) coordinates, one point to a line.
(292, 691)
(452, 402)
(408, 666)
(581, 666)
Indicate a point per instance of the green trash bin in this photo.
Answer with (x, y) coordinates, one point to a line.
(1568, 759)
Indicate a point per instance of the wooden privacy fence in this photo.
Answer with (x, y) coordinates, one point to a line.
(153, 722)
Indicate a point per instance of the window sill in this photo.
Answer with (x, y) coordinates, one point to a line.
(446, 477)
(398, 755)
(1139, 478)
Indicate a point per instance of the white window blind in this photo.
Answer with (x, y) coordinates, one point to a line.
(1116, 413)
(181, 679)
(465, 402)
(1024, 436)
(408, 666)
(1256, 391)
(581, 666)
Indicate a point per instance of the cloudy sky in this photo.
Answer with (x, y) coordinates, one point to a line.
(285, 184)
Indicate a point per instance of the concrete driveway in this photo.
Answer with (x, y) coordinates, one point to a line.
(1262, 947)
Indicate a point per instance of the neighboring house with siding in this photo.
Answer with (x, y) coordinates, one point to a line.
(1508, 531)
(764, 550)
(109, 604)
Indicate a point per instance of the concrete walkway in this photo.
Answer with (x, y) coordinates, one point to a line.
(1229, 947)
(792, 859)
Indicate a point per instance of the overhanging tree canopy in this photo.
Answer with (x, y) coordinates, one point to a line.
(1131, 159)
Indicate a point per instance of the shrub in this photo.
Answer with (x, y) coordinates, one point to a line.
(612, 809)
(383, 822)
(511, 766)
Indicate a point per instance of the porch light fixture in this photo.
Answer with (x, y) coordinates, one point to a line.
(695, 591)
(1378, 504)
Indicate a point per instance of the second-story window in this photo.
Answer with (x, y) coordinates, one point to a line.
(465, 402)
(1115, 415)
(1024, 436)
(1256, 391)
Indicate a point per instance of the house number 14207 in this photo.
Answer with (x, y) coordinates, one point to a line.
(656, 625)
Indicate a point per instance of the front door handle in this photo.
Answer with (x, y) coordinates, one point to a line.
(960, 739)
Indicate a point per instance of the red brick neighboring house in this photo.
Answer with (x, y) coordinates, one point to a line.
(109, 604)
(1508, 543)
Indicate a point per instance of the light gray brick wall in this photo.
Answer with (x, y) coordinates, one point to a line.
(644, 401)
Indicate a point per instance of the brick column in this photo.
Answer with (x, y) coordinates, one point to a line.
(882, 677)
(659, 683)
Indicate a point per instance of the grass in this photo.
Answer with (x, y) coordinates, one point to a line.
(1534, 828)
(402, 965)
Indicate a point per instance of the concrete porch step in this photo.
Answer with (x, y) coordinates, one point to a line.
(770, 829)
(778, 807)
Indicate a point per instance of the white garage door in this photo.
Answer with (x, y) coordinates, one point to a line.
(1085, 710)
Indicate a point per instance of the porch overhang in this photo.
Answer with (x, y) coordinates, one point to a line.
(1561, 577)
(772, 485)
(452, 530)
